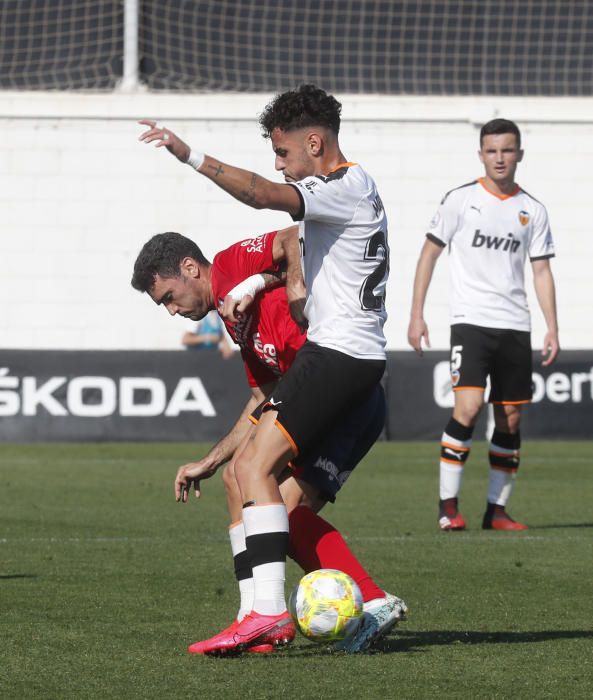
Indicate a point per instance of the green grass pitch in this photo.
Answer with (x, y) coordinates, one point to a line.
(104, 580)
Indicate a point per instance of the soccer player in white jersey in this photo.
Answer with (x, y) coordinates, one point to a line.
(343, 235)
(490, 227)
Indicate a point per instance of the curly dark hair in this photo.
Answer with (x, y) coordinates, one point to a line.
(308, 105)
(162, 255)
(500, 126)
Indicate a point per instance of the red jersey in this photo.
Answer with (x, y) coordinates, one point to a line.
(267, 335)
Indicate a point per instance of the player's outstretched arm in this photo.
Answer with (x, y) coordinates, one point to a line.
(545, 290)
(417, 328)
(164, 137)
(190, 475)
(247, 187)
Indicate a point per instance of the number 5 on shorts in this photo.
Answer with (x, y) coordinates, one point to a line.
(455, 364)
(456, 357)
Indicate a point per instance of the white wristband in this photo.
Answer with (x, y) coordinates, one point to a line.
(251, 286)
(195, 159)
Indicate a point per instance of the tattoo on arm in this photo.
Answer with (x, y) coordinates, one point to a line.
(248, 195)
(218, 169)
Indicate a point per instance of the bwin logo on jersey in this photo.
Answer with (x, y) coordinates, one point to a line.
(508, 243)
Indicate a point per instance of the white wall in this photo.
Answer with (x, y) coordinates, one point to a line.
(79, 195)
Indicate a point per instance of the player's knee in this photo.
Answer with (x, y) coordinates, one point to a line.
(229, 478)
(468, 415)
(246, 468)
(513, 423)
(468, 405)
(507, 418)
(297, 499)
(239, 469)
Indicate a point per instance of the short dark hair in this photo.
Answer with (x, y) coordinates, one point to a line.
(308, 105)
(500, 126)
(162, 255)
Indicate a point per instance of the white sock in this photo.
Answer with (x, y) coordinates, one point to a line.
(454, 453)
(237, 537)
(269, 572)
(504, 462)
(450, 480)
(500, 486)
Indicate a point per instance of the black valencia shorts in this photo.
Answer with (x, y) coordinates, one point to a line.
(503, 355)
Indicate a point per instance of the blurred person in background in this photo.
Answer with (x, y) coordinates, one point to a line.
(208, 335)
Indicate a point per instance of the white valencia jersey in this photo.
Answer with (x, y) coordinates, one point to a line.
(345, 259)
(490, 237)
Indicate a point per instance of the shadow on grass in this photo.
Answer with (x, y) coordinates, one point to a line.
(560, 526)
(412, 641)
(7, 577)
(419, 641)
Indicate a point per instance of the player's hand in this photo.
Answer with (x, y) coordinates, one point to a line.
(416, 331)
(233, 309)
(226, 351)
(164, 137)
(296, 294)
(550, 349)
(190, 475)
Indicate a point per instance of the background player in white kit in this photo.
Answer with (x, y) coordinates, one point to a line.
(343, 233)
(490, 227)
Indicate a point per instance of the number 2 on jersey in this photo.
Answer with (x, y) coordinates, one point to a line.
(376, 250)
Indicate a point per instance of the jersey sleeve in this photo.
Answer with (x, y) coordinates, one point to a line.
(325, 199)
(445, 222)
(257, 373)
(541, 245)
(246, 258)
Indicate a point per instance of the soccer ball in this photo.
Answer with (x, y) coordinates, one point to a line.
(326, 605)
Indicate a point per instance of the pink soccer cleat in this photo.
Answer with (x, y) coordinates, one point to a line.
(209, 646)
(281, 635)
(255, 633)
(260, 649)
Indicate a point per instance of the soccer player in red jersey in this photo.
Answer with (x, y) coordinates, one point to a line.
(172, 269)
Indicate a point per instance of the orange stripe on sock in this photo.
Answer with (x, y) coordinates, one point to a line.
(452, 461)
(455, 447)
